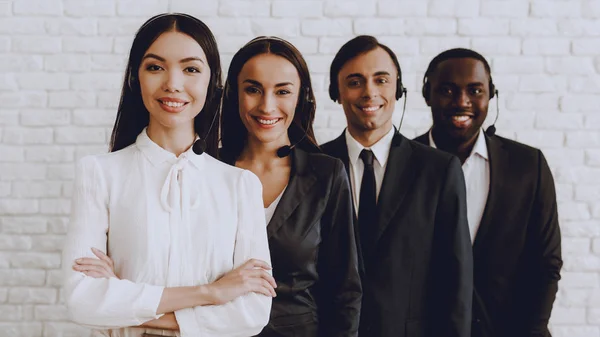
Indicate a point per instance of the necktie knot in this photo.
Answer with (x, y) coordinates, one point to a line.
(367, 157)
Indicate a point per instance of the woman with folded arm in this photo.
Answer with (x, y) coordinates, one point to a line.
(164, 239)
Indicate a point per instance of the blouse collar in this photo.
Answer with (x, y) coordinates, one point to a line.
(157, 155)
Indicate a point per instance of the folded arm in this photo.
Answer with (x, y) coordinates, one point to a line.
(245, 315)
(103, 303)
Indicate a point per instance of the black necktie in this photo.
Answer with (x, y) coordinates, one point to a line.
(367, 209)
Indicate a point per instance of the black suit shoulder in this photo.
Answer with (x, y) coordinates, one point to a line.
(517, 149)
(329, 147)
(521, 157)
(430, 155)
(324, 165)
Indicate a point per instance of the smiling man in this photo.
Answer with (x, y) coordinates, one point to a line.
(511, 206)
(410, 203)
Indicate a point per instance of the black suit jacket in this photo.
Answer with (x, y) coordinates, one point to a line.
(417, 279)
(313, 252)
(517, 249)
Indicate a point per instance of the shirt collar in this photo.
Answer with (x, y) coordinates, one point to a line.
(157, 155)
(479, 148)
(381, 149)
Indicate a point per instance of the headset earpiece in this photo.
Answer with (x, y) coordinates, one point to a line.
(131, 81)
(333, 92)
(425, 89)
(400, 89)
(307, 97)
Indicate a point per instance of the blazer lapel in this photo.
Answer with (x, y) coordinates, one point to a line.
(301, 182)
(396, 182)
(498, 158)
(339, 149)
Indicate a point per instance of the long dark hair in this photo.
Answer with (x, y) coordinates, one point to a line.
(132, 115)
(233, 132)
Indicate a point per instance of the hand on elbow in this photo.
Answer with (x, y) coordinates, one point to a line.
(103, 267)
(252, 276)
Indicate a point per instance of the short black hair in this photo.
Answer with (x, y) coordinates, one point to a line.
(455, 53)
(351, 49)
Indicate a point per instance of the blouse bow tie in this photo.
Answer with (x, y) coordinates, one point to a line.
(176, 188)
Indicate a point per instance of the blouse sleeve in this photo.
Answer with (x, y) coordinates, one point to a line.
(248, 314)
(99, 302)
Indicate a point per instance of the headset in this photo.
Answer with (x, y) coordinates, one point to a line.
(493, 92)
(334, 91)
(199, 145)
(304, 99)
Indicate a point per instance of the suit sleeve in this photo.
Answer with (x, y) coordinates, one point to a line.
(247, 314)
(453, 259)
(341, 290)
(544, 243)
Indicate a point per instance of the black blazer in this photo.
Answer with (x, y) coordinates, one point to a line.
(313, 252)
(417, 282)
(517, 249)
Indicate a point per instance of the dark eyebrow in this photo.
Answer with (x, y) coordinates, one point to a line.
(378, 73)
(253, 82)
(355, 75)
(189, 59)
(161, 59)
(153, 56)
(258, 84)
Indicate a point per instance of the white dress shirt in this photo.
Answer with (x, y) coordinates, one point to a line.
(477, 179)
(381, 152)
(166, 221)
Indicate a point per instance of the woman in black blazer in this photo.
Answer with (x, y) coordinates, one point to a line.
(268, 111)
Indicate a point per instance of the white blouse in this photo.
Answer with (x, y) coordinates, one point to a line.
(166, 221)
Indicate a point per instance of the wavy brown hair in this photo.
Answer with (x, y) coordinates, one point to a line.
(233, 132)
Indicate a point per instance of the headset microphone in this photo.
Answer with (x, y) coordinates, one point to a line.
(285, 151)
(200, 145)
(492, 129)
(403, 108)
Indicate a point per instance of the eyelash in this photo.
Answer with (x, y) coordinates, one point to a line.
(155, 68)
(450, 92)
(356, 83)
(252, 90)
(255, 90)
(152, 67)
(195, 70)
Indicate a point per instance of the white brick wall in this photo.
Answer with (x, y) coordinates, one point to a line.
(61, 65)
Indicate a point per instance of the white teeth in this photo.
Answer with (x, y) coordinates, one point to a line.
(461, 118)
(371, 109)
(173, 104)
(267, 121)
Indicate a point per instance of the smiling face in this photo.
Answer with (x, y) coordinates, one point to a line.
(459, 97)
(174, 77)
(268, 90)
(367, 91)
